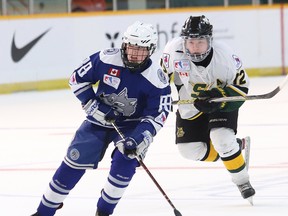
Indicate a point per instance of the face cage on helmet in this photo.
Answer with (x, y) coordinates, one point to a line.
(132, 65)
(198, 57)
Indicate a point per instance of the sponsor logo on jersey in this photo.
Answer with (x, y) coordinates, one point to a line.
(238, 62)
(18, 53)
(111, 80)
(166, 58)
(180, 132)
(74, 154)
(72, 80)
(162, 76)
(182, 65)
(110, 51)
(114, 72)
(161, 118)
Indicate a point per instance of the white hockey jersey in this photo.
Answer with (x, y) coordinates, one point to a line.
(225, 69)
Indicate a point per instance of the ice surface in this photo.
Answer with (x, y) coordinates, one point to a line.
(36, 128)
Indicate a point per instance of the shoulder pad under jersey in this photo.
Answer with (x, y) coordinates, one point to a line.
(156, 76)
(172, 51)
(111, 56)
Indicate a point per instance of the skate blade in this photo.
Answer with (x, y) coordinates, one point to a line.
(250, 200)
(247, 152)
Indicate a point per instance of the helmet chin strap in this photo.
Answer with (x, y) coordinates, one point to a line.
(134, 67)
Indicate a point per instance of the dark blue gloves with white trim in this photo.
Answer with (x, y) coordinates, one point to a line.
(131, 147)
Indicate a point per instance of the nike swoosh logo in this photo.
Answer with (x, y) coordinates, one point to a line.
(18, 53)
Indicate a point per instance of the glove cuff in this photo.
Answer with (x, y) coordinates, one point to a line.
(146, 137)
(90, 107)
(222, 91)
(97, 111)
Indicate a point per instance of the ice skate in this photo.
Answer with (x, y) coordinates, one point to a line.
(98, 213)
(244, 144)
(37, 214)
(247, 191)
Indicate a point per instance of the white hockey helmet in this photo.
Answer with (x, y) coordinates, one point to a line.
(141, 35)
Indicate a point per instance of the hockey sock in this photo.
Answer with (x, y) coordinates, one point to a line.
(211, 155)
(121, 173)
(234, 163)
(64, 180)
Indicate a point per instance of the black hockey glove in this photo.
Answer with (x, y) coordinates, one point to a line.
(203, 105)
(202, 102)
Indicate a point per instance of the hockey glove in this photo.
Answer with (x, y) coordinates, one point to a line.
(131, 147)
(100, 112)
(203, 104)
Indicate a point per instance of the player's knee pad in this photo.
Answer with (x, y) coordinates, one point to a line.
(193, 150)
(224, 141)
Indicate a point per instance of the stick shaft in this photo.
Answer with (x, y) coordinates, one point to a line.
(147, 171)
(241, 98)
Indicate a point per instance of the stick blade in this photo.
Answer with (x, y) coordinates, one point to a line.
(177, 213)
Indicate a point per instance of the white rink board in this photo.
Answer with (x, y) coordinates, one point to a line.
(253, 33)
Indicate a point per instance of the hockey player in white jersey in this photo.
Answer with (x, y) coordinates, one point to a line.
(204, 69)
(132, 91)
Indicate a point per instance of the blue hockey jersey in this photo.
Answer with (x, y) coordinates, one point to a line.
(147, 92)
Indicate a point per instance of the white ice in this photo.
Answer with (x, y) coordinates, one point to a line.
(36, 128)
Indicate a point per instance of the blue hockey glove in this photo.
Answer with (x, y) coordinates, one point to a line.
(202, 102)
(131, 147)
(100, 112)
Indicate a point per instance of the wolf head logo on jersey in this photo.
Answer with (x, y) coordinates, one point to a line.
(121, 103)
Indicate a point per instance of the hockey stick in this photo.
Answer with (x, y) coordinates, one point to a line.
(176, 212)
(240, 98)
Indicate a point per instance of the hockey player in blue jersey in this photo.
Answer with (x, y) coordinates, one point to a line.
(134, 93)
